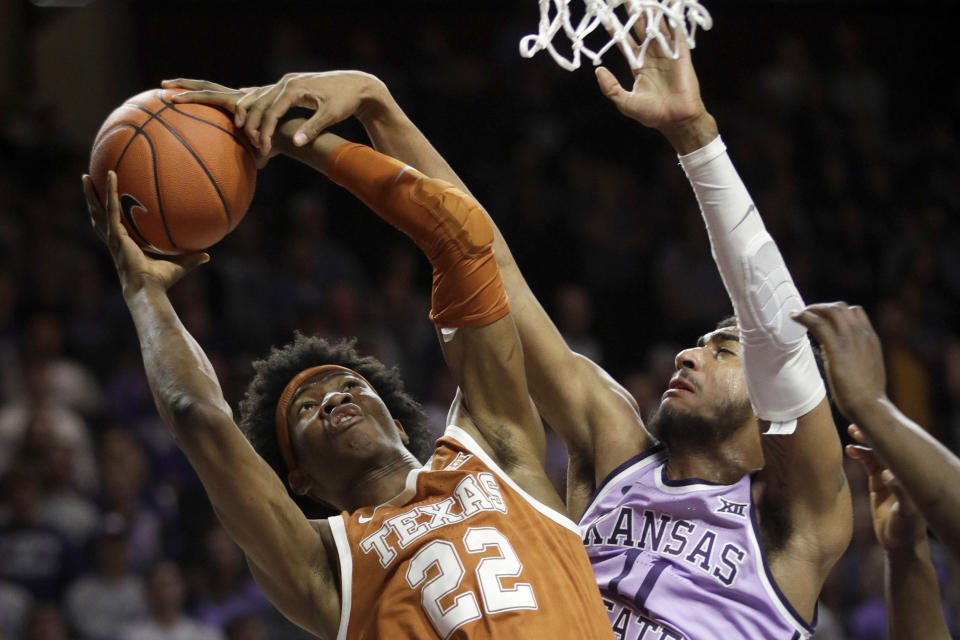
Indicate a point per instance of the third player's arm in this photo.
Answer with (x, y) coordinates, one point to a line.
(912, 590)
(928, 471)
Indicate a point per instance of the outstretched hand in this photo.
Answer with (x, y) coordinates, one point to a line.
(898, 524)
(852, 354)
(133, 266)
(665, 93)
(334, 96)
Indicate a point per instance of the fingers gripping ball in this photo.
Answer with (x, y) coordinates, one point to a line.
(185, 175)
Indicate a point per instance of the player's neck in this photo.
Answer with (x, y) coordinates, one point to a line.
(724, 463)
(381, 482)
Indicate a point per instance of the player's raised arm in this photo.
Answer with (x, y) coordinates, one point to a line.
(468, 301)
(246, 494)
(803, 469)
(595, 415)
(914, 611)
(926, 469)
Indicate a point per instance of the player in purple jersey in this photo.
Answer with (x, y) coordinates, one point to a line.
(701, 526)
(723, 532)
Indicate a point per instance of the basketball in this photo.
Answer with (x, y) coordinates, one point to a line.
(185, 175)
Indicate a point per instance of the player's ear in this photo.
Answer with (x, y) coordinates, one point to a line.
(404, 438)
(299, 482)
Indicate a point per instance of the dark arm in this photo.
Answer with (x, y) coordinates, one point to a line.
(928, 471)
(912, 593)
(248, 497)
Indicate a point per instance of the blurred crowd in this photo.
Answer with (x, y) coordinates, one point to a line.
(105, 533)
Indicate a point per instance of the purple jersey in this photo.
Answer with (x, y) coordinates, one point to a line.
(682, 559)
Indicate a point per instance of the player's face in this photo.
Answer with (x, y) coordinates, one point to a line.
(707, 396)
(338, 423)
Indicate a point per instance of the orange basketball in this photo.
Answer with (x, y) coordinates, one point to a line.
(185, 175)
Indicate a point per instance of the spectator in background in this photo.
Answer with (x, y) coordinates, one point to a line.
(9, 360)
(574, 314)
(226, 589)
(45, 622)
(32, 554)
(37, 404)
(15, 602)
(125, 493)
(247, 627)
(66, 382)
(64, 507)
(166, 619)
(100, 603)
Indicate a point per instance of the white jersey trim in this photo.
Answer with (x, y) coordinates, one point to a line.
(467, 442)
(610, 481)
(686, 487)
(342, 543)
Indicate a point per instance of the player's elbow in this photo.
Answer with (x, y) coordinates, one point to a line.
(191, 418)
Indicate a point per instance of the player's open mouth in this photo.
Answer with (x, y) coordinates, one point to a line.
(343, 416)
(679, 386)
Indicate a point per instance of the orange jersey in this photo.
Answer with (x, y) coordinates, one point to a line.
(463, 552)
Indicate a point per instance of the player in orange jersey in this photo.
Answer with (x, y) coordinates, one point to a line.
(474, 545)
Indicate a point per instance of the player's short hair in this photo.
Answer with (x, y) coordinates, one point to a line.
(259, 405)
(729, 321)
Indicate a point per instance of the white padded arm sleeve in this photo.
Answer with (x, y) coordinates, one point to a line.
(779, 365)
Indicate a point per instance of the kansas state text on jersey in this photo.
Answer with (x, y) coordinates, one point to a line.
(682, 559)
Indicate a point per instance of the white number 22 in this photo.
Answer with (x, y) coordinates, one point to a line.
(450, 571)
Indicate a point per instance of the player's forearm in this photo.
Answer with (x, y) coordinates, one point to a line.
(927, 470)
(913, 596)
(394, 134)
(780, 369)
(180, 375)
(313, 155)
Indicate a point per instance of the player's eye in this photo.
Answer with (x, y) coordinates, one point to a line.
(306, 406)
(350, 384)
(724, 350)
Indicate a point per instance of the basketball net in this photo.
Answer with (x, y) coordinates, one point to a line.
(682, 17)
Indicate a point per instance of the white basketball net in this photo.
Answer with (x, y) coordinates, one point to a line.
(682, 17)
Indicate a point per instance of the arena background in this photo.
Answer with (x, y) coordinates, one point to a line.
(841, 117)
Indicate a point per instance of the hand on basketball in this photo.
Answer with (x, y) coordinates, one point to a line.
(134, 267)
(897, 523)
(334, 96)
(665, 93)
(852, 354)
(217, 95)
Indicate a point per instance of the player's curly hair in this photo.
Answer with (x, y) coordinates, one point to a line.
(259, 404)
